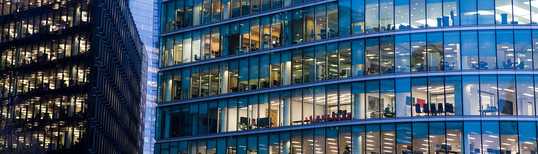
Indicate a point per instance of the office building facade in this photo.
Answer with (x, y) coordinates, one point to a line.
(347, 76)
(70, 74)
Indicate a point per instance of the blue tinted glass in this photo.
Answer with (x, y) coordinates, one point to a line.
(357, 57)
(452, 51)
(505, 49)
(472, 137)
(487, 49)
(486, 14)
(402, 53)
(344, 17)
(523, 49)
(469, 50)
(357, 16)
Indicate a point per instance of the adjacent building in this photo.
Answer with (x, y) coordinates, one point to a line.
(146, 16)
(70, 77)
(347, 76)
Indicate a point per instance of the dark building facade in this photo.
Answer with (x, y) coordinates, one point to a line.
(348, 76)
(70, 77)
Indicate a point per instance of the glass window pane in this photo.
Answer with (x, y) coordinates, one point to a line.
(509, 136)
(309, 26)
(403, 138)
(309, 65)
(418, 13)
(357, 55)
(434, 13)
(386, 55)
(297, 27)
(308, 104)
(264, 120)
(226, 9)
(235, 39)
(264, 71)
(275, 119)
(420, 137)
(503, 12)
(345, 98)
(308, 139)
(252, 144)
(453, 94)
(525, 95)
(523, 49)
(372, 16)
(452, 51)
(486, 14)
(373, 139)
(332, 111)
(386, 15)
(401, 14)
(245, 7)
(344, 49)
(418, 48)
(436, 96)
(274, 142)
(359, 139)
(472, 136)
(469, 50)
(255, 34)
(344, 139)
(454, 137)
(435, 51)
(507, 95)
(262, 143)
(255, 6)
(419, 96)
(359, 100)
(297, 107)
(285, 104)
(286, 143)
(266, 35)
(319, 141)
(403, 53)
(372, 99)
(437, 136)
(242, 144)
(276, 31)
(297, 67)
(487, 49)
(522, 12)
(245, 37)
(468, 12)
(534, 12)
(344, 17)
(287, 26)
(450, 13)
(243, 74)
(254, 71)
(387, 98)
(319, 106)
(232, 115)
(471, 94)
(332, 61)
(357, 16)
(275, 74)
(332, 24)
(488, 95)
(490, 136)
(372, 56)
(403, 97)
(527, 137)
